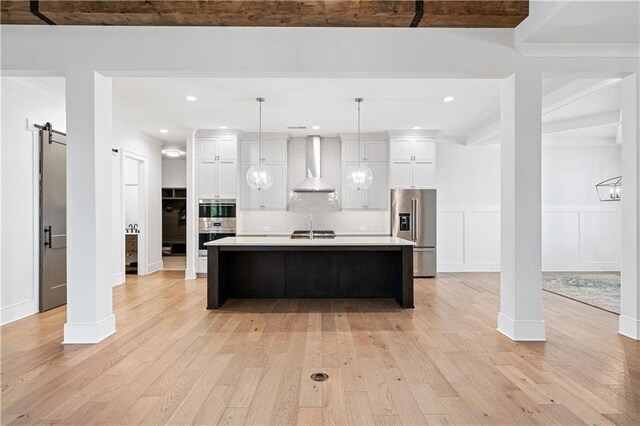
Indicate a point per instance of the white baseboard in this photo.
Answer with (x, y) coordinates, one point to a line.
(79, 334)
(117, 279)
(526, 331)
(155, 267)
(468, 267)
(18, 310)
(629, 327)
(190, 274)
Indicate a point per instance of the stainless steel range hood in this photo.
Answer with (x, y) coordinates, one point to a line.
(314, 181)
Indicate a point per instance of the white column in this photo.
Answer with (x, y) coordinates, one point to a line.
(192, 205)
(520, 316)
(630, 255)
(90, 316)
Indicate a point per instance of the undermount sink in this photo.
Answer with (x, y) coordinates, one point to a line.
(306, 234)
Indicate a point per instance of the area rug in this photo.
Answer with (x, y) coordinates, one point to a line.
(599, 289)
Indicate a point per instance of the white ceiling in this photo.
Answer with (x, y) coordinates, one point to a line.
(587, 21)
(151, 104)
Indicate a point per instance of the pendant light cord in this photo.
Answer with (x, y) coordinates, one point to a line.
(260, 101)
(359, 101)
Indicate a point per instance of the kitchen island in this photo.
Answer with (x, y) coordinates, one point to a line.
(281, 267)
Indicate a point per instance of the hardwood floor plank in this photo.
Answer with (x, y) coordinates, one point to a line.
(174, 362)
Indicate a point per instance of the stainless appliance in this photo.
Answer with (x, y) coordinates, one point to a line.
(216, 220)
(413, 218)
(314, 181)
(53, 218)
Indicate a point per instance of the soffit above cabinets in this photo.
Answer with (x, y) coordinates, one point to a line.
(270, 13)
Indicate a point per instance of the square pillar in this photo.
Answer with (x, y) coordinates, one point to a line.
(629, 324)
(90, 317)
(520, 316)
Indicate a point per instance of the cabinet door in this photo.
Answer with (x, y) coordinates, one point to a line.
(206, 148)
(400, 174)
(350, 151)
(274, 151)
(227, 149)
(378, 192)
(226, 179)
(351, 198)
(424, 174)
(400, 149)
(207, 179)
(376, 151)
(249, 151)
(275, 198)
(250, 199)
(424, 149)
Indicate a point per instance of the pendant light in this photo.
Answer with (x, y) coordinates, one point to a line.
(360, 177)
(259, 176)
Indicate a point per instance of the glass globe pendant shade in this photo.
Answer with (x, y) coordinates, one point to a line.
(259, 177)
(359, 178)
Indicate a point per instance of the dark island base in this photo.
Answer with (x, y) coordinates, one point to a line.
(309, 272)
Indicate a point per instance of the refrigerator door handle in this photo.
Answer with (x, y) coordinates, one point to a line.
(413, 219)
(417, 221)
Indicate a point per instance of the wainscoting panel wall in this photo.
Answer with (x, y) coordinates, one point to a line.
(574, 238)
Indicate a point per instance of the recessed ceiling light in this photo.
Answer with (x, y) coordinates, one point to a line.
(448, 99)
(416, 127)
(164, 131)
(172, 152)
(191, 98)
(315, 127)
(224, 127)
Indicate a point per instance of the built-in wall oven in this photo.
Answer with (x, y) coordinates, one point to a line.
(216, 220)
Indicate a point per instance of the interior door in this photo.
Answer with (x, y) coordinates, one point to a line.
(53, 219)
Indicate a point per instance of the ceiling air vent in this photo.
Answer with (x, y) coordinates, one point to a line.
(297, 127)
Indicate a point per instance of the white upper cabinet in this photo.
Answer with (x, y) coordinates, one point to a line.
(227, 149)
(274, 152)
(374, 152)
(370, 150)
(216, 165)
(412, 149)
(226, 179)
(413, 162)
(401, 149)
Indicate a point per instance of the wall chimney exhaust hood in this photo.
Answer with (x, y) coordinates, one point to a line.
(314, 181)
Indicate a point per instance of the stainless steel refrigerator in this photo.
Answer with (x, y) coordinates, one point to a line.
(413, 217)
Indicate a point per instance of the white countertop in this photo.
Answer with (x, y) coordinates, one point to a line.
(287, 241)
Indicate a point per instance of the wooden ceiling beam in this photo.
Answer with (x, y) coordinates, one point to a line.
(271, 13)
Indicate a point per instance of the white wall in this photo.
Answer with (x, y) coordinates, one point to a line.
(26, 99)
(174, 172)
(468, 183)
(579, 232)
(19, 267)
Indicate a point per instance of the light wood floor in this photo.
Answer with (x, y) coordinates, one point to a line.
(174, 362)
